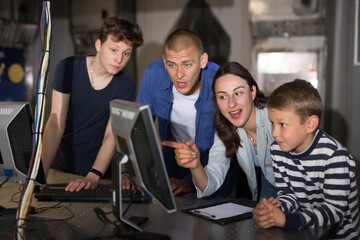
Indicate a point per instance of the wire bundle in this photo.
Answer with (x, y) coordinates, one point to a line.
(28, 188)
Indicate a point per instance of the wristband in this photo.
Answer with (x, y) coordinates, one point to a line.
(97, 172)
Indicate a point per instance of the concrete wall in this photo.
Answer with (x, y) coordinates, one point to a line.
(158, 17)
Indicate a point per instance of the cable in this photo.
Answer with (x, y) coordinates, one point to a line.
(102, 215)
(28, 188)
(103, 218)
(42, 210)
(130, 177)
(7, 179)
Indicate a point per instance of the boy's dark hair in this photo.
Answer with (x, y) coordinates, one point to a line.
(121, 30)
(299, 96)
(182, 39)
(224, 129)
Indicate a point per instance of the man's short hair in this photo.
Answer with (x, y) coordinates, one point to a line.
(121, 30)
(299, 96)
(183, 39)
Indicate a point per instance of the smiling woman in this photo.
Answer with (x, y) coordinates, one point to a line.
(235, 99)
(242, 129)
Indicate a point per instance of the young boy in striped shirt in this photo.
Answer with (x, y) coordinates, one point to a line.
(314, 173)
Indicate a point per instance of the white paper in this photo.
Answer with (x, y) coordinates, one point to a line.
(224, 210)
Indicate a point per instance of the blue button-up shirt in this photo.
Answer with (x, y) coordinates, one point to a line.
(156, 91)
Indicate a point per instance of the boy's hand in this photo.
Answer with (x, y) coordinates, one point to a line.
(263, 215)
(278, 214)
(90, 181)
(274, 201)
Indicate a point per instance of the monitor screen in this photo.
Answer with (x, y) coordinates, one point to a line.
(16, 142)
(136, 138)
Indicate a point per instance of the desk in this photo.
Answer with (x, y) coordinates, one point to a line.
(178, 225)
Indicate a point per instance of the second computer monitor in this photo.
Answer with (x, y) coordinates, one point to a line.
(17, 143)
(136, 137)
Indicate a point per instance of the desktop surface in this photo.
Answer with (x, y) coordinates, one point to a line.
(83, 222)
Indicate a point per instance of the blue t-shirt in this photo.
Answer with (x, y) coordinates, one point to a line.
(88, 112)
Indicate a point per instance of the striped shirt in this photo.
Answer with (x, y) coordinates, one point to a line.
(318, 186)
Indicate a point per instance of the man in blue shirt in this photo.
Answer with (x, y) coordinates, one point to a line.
(178, 90)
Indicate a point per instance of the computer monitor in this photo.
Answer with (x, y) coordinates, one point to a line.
(136, 139)
(16, 143)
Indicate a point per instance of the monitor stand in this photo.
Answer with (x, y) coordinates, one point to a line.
(138, 233)
(118, 198)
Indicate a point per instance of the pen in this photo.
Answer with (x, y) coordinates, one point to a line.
(204, 214)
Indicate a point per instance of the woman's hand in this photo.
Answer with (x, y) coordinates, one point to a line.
(186, 154)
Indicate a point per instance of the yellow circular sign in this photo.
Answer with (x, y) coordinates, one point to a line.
(16, 73)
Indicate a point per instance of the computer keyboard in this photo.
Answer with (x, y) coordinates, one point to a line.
(103, 193)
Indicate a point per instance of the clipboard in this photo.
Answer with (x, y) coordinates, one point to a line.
(207, 211)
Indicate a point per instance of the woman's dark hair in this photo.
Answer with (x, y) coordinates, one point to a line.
(224, 129)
